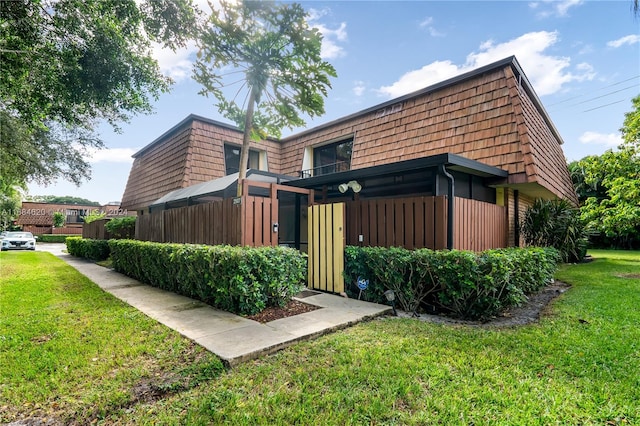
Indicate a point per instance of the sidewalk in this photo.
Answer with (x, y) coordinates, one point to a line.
(233, 338)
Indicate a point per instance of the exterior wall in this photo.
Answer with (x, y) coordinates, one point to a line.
(41, 214)
(544, 160)
(157, 171)
(524, 202)
(192, 154)
(474, 118)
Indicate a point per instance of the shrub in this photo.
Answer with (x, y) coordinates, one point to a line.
(53, 238)
(464, 284)
(94, 215)
(58, 219)
(121, 227)
(88, 248)
(242, 280)
(556, 223)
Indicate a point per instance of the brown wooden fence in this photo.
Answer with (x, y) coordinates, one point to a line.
(418, 222)
(213, 223)
(248, 220)
(96, 230)
(478, 225)
(413, 222)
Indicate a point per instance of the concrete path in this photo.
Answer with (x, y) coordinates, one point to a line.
(233, 338)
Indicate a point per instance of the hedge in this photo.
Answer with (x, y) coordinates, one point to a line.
(242, 280)
(464, 284)
(87, 248)
(53, 238)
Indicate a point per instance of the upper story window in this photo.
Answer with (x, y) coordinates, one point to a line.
(332, 158)
(232, 159)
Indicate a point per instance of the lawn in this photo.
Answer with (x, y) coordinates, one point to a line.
(579, 365)
(71, 351)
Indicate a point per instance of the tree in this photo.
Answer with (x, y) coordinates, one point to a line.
(617, 214)
(58, 219)
(274, 55)
(10, 200)
(67, 64)
(57, 199)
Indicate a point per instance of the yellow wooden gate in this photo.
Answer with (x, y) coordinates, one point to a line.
(326, 247)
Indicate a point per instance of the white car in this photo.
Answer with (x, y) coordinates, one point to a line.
(18, 241)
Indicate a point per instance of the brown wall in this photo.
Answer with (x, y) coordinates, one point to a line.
(193, 153)
(474, 118)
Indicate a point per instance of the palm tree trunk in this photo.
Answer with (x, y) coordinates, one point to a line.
(246, 138)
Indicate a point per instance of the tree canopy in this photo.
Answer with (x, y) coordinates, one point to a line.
(67, 64)
(613, 206)
(272, 53)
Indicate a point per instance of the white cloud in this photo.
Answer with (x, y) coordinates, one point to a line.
(332, 38)
(547, 73)
(111, 155)
(358, 88)
(595, 138)
(427, 24)
(630, 40)
(176, 65)
(547, 8)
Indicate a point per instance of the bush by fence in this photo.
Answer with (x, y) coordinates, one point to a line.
(121, 227)
(243, 280)
(51, 238)
(88, 248)
(464, 284)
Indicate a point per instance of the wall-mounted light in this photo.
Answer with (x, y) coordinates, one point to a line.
(353, 184)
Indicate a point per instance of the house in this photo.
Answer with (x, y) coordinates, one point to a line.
(37, 218)
(469, 149)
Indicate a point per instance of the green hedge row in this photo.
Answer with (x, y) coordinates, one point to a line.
(53, 238)
(465, 284)
(242, 280)
(88, 248)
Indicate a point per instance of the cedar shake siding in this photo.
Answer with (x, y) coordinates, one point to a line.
(191, 152)
(490, 115)
(485, 116)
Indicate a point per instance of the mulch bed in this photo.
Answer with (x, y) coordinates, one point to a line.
(274, 312)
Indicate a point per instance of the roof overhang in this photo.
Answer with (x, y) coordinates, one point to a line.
(223, 187)
(451, 161)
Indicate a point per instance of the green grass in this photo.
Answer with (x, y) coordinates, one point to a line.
(579, 365)
(70, 350)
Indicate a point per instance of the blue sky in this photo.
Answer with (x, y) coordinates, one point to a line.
(582, 57)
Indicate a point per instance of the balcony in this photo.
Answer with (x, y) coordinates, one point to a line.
(325, 169)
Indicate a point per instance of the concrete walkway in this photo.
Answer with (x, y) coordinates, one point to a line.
(233, 338)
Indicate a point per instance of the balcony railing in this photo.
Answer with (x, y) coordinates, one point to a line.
(325, 169)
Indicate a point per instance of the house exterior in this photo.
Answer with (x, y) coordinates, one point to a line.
(482, 136)
(37, 218)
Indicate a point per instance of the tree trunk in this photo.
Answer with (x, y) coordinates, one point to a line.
(246, 138)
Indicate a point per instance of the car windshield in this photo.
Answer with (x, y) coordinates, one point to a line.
(19, 235)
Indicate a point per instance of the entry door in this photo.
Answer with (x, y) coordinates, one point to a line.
(326, 247)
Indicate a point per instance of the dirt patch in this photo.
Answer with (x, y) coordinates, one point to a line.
(273, 313)
(528, 313)
(631, 276)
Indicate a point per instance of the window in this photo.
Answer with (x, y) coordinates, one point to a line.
(232, 158)
(332, 158)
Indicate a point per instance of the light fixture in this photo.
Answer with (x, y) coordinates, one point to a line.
(353, 184)
(391, 297)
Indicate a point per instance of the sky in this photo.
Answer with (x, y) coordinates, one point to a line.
(582, 58)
